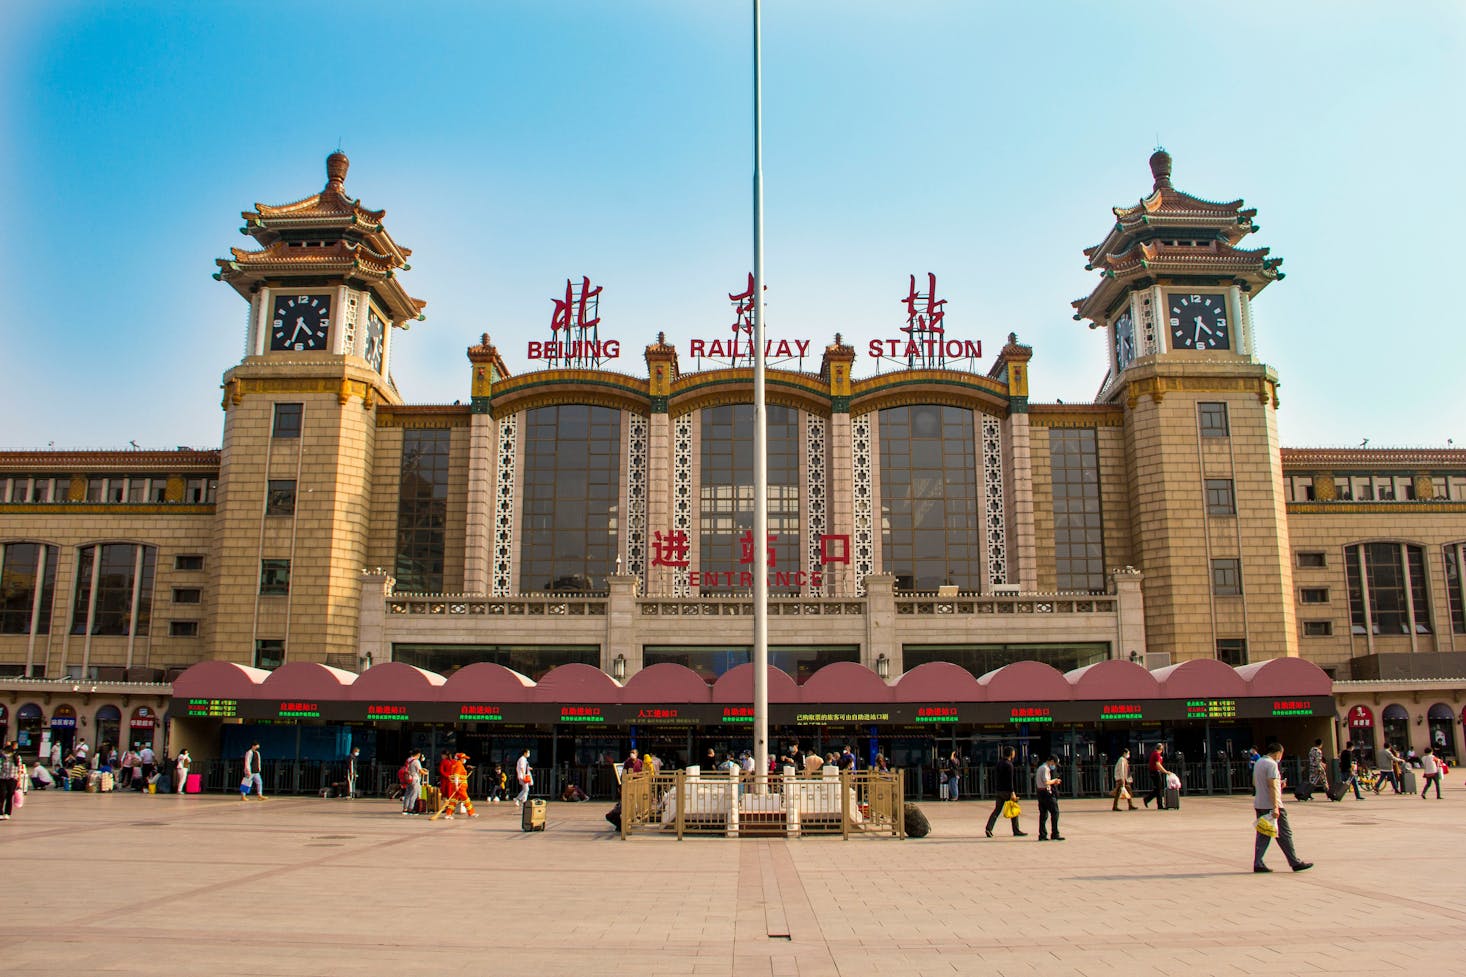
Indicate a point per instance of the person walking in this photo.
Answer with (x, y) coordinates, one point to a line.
(12, 773)
(1318, 769)
(412, 788)
(455, 789)
(1046, 784)
(1430, 768)
(1122, 781)
(1349, 769)
(180, 769)
(1384, 760)
(253, 779)
(1005, 789)
(524, 777)
(1267, 801)
(1156, 763)
(351, 769)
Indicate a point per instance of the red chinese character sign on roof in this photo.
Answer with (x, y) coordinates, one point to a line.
(924, 315)
(575, 327)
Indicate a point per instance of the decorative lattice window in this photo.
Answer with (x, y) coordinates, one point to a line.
(814, 492)
(682, 507)
(996, 518)
(504, 496)
(636, 456)
(860, 462)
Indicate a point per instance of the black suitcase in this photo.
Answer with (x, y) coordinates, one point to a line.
(1173, 798)
(1338, 790)
(1303, 792)
(917, 826)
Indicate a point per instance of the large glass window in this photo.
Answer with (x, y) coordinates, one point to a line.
(726, 505)
(1456, 585)
(572, 481)
(1384, 571)
(20, 566)
(711, 661)
(930, 509)
(422, 510)
(531, 660)
(122, 582)
(1079, 550)
(981, 659)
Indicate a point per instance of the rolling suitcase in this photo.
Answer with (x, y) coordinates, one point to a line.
(532, 817)
(1173, 798)
(1303, 792)
(1337, 790)
(1407, 781)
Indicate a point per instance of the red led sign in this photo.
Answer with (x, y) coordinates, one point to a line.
(1030, 714)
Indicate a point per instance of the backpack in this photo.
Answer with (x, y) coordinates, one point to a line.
(402, 778)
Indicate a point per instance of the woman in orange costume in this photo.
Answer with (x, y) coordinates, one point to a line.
(455, 789)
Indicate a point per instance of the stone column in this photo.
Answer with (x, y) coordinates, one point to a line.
(371, 619)
(486, 367)
(880, 623)
(621, 626)
(1129, 614)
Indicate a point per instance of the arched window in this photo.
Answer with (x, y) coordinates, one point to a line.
(726, 499)
(1397, 727)
(24, 566)
(570, 488)
(1387, 593)
(109, 724)
(28, 727)
(930, 504)
(1441, 720)
(114, 589)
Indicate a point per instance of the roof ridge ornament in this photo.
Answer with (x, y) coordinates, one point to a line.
(1160, 168)
(336, 166)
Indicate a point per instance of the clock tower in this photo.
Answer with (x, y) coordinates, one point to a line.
(300, 423)
(1208, 511)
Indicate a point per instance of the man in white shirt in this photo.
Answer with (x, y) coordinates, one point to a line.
(524, 777)
(1268, 800)
(1044, 783)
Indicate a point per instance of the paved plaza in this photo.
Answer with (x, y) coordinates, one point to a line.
(134, 884)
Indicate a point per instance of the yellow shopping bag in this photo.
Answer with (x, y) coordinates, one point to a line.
(1011, 809)
(1267, 826)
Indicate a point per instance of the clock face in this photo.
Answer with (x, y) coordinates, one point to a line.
(1199, 321)
(1124, 341)
(375, 333)
(301, 322)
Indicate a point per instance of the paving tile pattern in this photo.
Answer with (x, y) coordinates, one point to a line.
(126, 884)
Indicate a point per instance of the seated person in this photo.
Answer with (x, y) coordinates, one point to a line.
(573, 793)
(41, 777)
(498, 785)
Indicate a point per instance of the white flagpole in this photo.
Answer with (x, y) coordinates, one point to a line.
(760, 432)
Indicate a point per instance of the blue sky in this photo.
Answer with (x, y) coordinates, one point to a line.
(514, 145)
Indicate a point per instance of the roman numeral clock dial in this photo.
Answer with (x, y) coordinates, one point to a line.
(1199, 321)
(301, 322)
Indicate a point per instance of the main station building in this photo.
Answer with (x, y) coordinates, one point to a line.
(949, 563)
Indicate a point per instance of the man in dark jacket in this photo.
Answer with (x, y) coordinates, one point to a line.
(1005, 789)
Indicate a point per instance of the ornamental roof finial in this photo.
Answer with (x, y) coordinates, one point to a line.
(336, 166)
(1160, 168)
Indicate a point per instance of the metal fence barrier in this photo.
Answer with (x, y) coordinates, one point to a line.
(738, 805)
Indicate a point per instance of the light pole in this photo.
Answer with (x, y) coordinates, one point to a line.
(760, 430)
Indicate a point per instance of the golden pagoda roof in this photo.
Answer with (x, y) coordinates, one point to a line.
(325, 236)
(1172, 234)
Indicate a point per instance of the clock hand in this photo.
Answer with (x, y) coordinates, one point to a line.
(299, 325)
